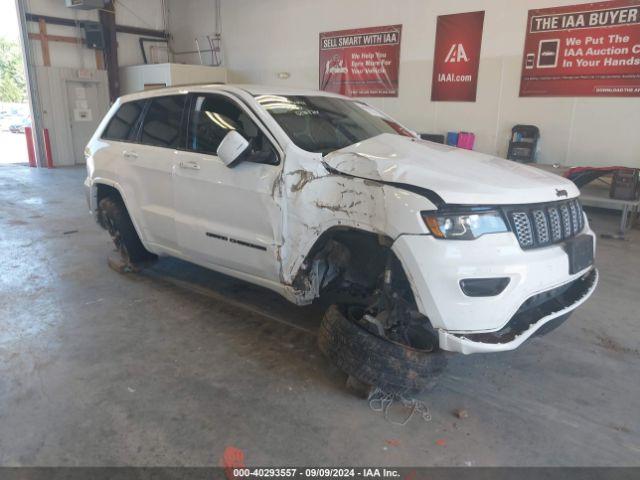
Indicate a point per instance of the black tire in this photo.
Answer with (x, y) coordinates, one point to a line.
(393, 367)
(115, 219)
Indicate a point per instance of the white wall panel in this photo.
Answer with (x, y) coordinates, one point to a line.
(56, 110)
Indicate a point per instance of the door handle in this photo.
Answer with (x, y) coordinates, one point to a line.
(190, 165)
(130, 155)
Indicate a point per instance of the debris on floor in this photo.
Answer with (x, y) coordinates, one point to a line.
(461, 413)
(117, 264)
(397, 408)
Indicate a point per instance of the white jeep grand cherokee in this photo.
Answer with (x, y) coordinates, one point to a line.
(306, 193)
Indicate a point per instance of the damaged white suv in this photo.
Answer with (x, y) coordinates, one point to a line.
(423, 245)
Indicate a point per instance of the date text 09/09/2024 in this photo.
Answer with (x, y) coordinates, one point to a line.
(315, 473)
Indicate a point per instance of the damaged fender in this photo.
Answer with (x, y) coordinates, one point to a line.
(317, 198)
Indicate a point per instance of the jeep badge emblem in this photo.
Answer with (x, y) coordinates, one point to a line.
(561, 193)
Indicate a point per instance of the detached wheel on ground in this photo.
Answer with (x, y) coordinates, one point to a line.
(115, 219)
(375, 361)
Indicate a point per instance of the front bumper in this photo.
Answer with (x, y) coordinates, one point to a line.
(436, 267)
(527, 321)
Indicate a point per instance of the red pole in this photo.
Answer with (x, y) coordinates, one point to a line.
(31, 151)
(47, 148)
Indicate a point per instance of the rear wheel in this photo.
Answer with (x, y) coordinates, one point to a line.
(113, 217)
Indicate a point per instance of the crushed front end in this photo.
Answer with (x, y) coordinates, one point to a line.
(492, 293)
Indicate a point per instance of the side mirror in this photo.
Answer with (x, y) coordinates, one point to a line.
(232, 148)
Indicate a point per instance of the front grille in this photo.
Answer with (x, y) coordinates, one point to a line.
(523, 229)
(545, 224)
(556, 229)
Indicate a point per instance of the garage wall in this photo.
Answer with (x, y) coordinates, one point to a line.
(57, 111)
(135, 13)
(262, 38)
(77, 65)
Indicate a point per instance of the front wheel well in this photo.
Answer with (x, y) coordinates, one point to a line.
(345, 255)
(360, 271)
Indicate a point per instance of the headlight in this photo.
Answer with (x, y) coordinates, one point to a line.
(464, 226)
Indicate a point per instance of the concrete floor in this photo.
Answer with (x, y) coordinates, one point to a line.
(97, 368)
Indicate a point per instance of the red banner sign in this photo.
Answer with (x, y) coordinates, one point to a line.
(364, 62)
(457, 57)
(583, 50)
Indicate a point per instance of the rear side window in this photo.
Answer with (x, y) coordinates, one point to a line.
(162, 124)
(122, 125)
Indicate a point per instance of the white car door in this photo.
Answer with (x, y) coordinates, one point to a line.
(228, 216)
(146, 170)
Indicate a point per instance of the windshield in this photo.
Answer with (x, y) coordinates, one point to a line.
(324, 124)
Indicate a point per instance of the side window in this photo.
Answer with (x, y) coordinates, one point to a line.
(213, 116)
(122, 125)
(162, 123)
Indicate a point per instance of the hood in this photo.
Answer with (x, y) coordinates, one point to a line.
(458, 176)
